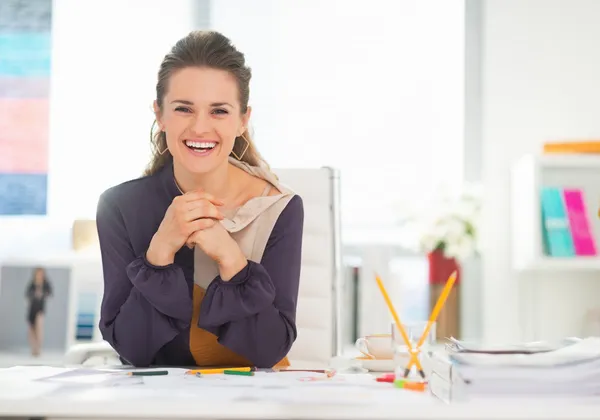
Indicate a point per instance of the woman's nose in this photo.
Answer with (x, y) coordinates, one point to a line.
(200, 124)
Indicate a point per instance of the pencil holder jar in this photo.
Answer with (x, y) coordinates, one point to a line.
(401, 349)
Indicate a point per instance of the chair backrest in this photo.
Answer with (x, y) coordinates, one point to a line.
(318, 311)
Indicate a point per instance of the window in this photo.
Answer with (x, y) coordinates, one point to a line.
(102, 88)
(372, 88)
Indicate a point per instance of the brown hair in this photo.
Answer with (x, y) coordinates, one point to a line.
(204, 49)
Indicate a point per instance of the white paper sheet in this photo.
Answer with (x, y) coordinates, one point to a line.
(288, 387)
(19, 382)
(91, 377)
(30, 373)
(177, 386)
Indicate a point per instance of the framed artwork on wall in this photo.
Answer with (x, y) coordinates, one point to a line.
(25, 51)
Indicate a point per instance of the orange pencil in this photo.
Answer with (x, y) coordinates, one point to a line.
(438, 306)
(414, 360)
(432, 318)
(413, 354)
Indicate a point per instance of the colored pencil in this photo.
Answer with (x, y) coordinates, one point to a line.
(400, 326)
(218, 370)
(438, 306)
(237, 372)
(148, 373)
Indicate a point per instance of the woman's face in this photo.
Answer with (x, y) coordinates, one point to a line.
(201, 118)
(39, 276)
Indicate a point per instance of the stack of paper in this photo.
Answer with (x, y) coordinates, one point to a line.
(569, 368)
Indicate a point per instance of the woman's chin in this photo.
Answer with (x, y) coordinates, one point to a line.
(202, 165)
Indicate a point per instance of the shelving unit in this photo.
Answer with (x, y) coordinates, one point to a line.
(528, 175)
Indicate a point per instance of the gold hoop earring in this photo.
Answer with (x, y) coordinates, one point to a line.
(152, 131)
(245, 148)
(152, 139)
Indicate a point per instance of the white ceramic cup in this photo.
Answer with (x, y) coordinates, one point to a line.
(376, 346)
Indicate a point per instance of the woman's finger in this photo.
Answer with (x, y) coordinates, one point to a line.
(207, 210)
(196, 227)
(202, 224)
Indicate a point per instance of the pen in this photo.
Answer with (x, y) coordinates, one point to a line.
(148, 373)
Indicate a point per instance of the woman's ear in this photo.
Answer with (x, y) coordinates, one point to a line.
(245, 120)
(157, 115)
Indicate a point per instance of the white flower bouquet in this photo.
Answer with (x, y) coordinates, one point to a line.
(450, 223)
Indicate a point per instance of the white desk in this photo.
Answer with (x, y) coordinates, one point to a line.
(60, 408)
(102, 404)
(162, 400)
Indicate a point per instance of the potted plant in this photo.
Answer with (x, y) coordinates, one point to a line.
(446, 229)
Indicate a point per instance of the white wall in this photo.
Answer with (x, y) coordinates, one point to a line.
(105, 57)
(356, 86)
(104, 63)
(540, 82)
(374, 89)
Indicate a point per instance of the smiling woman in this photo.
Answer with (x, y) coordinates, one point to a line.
(199, 91)
(201, 256)
(201, 116)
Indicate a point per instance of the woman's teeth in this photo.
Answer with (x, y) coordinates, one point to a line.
(200, 145)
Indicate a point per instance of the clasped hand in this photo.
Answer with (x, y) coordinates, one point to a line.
(193, 219)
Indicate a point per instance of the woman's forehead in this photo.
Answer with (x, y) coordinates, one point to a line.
(201, 85)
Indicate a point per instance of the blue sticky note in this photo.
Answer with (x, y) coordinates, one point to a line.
(25, 54)
(23, 194)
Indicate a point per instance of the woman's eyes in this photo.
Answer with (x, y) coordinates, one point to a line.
(217, 111)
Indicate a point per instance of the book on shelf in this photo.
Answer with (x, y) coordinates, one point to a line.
(573, 147)
(566, 227)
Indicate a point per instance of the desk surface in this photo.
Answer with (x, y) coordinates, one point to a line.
(168, 398)
(154, 409)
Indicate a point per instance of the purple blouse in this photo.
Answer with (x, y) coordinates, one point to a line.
(146, 310)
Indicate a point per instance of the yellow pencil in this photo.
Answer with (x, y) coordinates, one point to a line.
(217, 370)
(432, 318)
(400, 326)
(414, 360)
(438, 306)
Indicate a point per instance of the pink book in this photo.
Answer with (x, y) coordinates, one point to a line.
(583, 239)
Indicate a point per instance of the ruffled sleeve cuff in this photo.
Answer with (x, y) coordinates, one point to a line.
(249, 292)
(164, 288)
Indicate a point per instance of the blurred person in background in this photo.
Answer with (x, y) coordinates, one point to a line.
(38, 290)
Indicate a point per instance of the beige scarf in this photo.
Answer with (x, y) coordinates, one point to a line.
(250, 226)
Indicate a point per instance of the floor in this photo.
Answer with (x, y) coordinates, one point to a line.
(24, 357)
